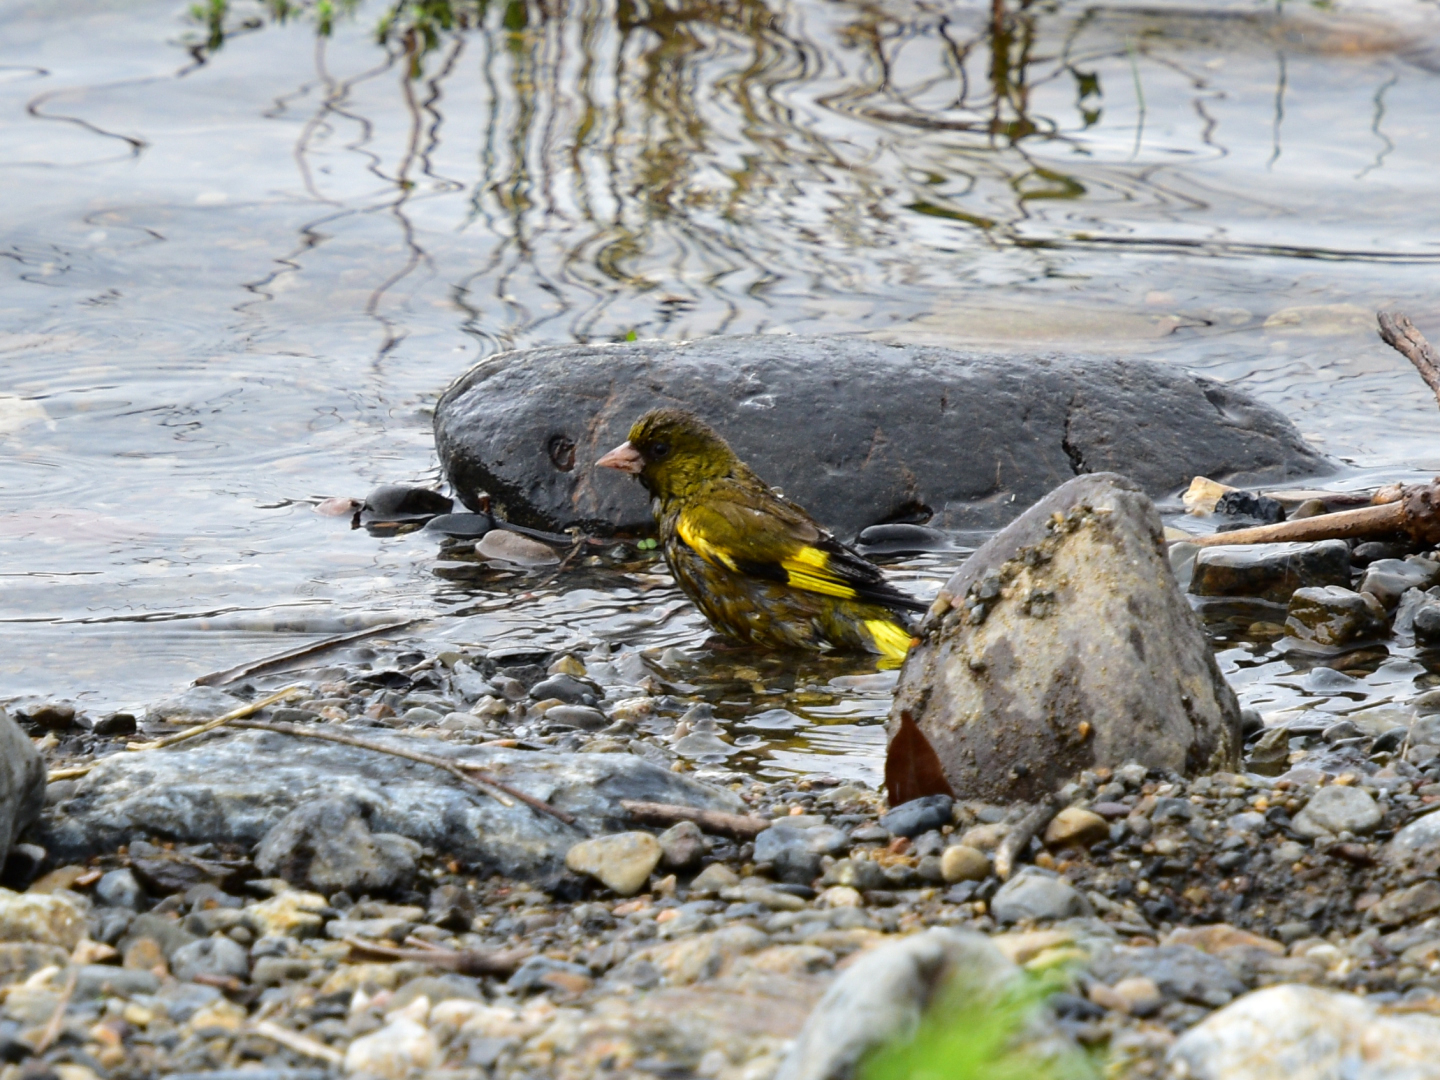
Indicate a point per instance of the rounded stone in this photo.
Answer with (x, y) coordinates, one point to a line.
(1037, 894)
(621, 862)
(210, 956)
(1074, 826)
(395, 1052)
(1336, 809)
(964, 863)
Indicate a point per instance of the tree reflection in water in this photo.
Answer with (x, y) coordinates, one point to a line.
(640, 168)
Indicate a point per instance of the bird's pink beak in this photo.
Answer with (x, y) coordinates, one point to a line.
(625, 458)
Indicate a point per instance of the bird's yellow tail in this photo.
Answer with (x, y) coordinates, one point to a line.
(892, 641)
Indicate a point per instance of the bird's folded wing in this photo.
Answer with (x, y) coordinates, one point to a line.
(780, 543)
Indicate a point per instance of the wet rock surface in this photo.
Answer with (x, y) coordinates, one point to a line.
(1065, 644)
(972, 437)
(234, 791)
(1270, 571)
(22, 784)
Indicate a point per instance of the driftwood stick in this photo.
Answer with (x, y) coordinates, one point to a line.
(735, 826)
(1415, 511)
(484, 783)
(1367, 521)
(1019, 836)
(254, 667)
(1397, 331)
(466, 961)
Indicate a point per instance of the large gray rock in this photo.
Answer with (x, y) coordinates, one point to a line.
(1063, 644)
(327, 846)
(236, 788)
(22, 784)
(854, 430)
(1308, 1033)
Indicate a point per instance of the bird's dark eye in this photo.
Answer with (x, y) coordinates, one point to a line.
(659, 450)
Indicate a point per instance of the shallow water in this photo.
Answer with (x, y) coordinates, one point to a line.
(235, 281)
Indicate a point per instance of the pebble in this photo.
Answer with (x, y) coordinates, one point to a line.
(210, 956)
(1416, 847)
(1034, 893)
(399, 1049)
(1336, 809)
(795, 853)
(1388, 579)
(621, 861)
(1407, 904)
(714, 878)
(918, 815)
(502, 545)
(118, 888)
(1307, 1032)
(1073, 825)
(41, 918)
(681, 846)
(964, 863)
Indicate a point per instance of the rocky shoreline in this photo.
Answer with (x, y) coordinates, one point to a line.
(1174, 896)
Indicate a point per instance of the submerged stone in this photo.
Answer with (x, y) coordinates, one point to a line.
(969, 437)
(1332, 615)
(1066, 645)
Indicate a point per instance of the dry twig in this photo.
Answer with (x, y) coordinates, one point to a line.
(465, 961)
(254, 667)
(1397, 331)
(1019, 836)
(460, 770)
(301, 1044)
(219, 721)
(57, 1018)
(736, 826)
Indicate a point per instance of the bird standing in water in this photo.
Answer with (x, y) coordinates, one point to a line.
(759, 568)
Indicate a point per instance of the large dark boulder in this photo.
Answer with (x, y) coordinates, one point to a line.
(854, 430)
(1063, 644)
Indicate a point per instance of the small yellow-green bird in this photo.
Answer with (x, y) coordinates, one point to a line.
(758, 567)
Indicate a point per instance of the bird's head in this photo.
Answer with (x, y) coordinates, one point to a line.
(672, 453)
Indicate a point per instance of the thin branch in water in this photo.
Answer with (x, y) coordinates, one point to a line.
(1279, 111)
(1397, 331)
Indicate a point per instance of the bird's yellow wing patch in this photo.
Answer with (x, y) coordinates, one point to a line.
(692, 536)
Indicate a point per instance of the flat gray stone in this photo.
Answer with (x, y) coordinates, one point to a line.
(1034, 893)
(236, 788)
(22, 784)
(1336, 809)
(1065, 645)
(975, 437)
